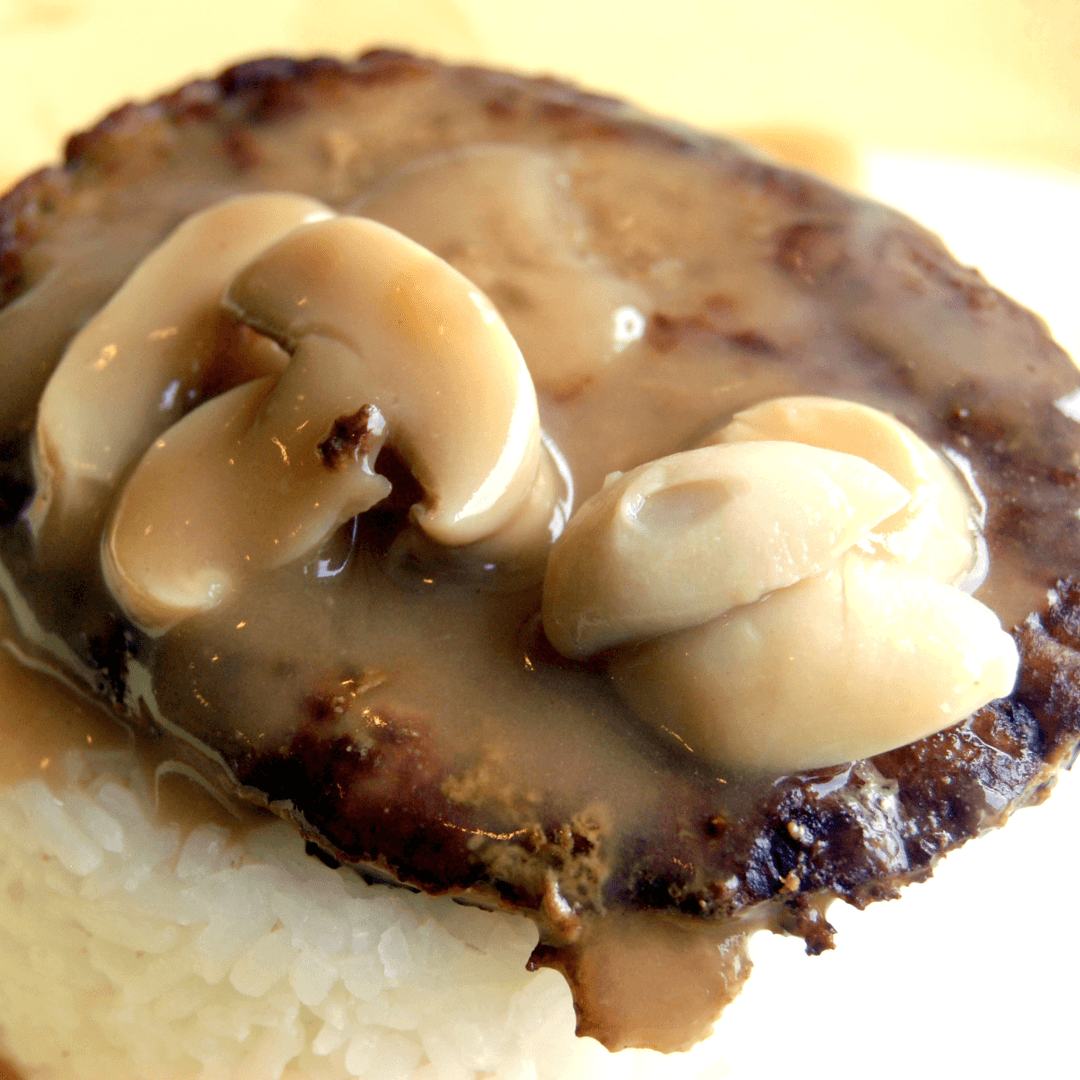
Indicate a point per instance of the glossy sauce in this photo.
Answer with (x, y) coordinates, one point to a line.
(402, 695)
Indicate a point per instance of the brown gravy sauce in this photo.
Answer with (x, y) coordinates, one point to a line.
(384, 648)
(42, 721)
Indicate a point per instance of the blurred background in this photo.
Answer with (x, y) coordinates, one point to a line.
(964, 113)
(899, 97)
(999, 78)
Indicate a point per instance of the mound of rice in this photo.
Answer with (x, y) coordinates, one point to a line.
(130, 950)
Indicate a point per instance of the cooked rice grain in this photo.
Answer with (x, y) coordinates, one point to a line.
(129, 950)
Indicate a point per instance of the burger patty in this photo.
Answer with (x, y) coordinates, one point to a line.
(414, 721)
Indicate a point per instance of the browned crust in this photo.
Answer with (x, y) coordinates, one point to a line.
(263, 89)
(268, 89)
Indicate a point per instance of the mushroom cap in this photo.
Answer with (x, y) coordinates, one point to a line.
(681, 540)
(936, 530)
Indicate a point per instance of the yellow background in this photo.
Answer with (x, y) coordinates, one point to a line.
(994, 77)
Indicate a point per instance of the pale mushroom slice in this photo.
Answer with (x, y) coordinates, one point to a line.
(252, 479)
(844, 665)
(683, 539)
(161, 344)
(388, 343)
(936, 531)
(505, 217)
(432, 355)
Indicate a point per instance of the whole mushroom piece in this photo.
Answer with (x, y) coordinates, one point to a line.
(385, 343)
(749, 600)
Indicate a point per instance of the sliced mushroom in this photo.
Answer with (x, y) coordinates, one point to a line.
(157, 348)
(504, 217)
(754, 606)
(861, 659)
(681, 540)
(935, 531)
(388, 343)
(242, 483)
(432, 355)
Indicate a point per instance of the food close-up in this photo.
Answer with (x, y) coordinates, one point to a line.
(474, 554)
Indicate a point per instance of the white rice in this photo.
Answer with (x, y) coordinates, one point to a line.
(129, 950)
